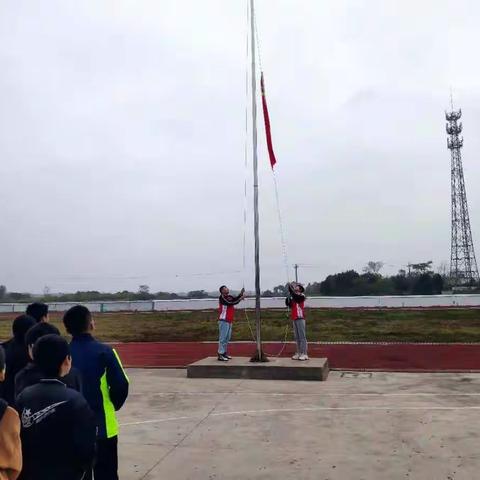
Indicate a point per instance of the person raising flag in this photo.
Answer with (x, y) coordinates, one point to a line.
(226, 308)
(296, 302)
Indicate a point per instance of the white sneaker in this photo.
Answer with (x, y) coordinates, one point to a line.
(296, 357)
(303, 357)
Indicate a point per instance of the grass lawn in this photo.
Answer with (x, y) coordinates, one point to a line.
(441, 325)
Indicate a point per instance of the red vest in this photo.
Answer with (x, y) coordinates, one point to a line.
(297, 310)
(226, 312)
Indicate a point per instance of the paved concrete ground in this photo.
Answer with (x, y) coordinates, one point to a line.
(353, 426)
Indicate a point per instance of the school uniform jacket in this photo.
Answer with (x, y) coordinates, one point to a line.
(58, 432)
(104, 382)
(16, 357)
(226, 307)
(296, 304)
(31, 374)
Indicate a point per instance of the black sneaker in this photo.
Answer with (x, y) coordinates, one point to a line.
(226, 355)
(222, 358)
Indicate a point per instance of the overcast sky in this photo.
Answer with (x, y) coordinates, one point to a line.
(122, 133)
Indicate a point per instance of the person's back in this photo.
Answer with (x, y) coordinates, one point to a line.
(58, 427)
(16, 355)
(92, 358)
(55, 433)
(10, 447)
(32, 373)
(104, 385)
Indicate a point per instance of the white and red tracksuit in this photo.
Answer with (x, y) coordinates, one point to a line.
(226, 312)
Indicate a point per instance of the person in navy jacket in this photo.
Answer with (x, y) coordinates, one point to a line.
(104, 385)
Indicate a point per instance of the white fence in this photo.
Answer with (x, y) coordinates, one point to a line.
(410, 301)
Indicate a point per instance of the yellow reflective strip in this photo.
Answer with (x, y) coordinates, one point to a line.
(111, 424)
(120, 363)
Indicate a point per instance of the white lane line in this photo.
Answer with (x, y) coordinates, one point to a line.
(316, 394)
(312, 409)
(160, 420)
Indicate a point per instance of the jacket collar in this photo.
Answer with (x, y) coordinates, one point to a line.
(52, 381)
(84, 337)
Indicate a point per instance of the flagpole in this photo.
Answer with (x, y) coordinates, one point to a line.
(259, 356)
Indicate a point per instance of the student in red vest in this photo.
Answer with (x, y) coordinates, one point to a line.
(226, 310)
(296, 302)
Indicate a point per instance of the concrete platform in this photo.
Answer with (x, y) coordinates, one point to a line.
(276, 369)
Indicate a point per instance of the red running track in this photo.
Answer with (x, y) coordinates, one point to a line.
(401, 357)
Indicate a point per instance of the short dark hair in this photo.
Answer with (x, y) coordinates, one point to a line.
(49, 352)
(21, 325)
(221, 288)
(77, 320)
(2, 359)
(40, 330)
(37, 310)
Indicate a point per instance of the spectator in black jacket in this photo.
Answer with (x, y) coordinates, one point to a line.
(32, 374)
(39, 311)
(16, 355)
(58, 427)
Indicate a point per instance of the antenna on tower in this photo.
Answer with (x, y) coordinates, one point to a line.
(451, 99)
(463, 264)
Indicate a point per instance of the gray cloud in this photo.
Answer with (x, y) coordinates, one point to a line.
(122, 138)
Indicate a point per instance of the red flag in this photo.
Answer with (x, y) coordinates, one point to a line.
(268, 132)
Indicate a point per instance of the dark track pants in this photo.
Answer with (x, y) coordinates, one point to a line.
(106, 464)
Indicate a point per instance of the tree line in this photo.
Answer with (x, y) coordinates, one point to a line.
(417, 279)
(143, 293)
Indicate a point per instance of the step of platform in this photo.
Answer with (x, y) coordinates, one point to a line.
(276, 369)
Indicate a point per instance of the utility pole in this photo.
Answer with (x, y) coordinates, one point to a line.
(296, 272)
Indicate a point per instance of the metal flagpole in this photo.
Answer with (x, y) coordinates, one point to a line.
(259, 356)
